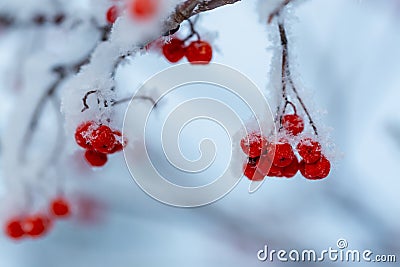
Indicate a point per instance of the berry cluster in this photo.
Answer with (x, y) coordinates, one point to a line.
(278, 158)
(139, 9)
(98, 140)
(37, 225)
(197, 52)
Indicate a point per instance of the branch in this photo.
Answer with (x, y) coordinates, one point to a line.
(190, 8)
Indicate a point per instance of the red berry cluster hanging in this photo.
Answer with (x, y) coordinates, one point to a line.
(99, 140)
(279, 159)
(37, 225)
(196, 52)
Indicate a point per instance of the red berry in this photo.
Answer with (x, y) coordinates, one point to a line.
(199, 52)
(35, 226)
(95, 159)
(252, 144)
(60, 207)
(120, 142)
(309, 150)
(316, 171)
(265, 162)
(291, 170)
(83, 134)
(112, 14)
(103, 139)
(293, 124)
(275, 171)
(250, 170)
(144, 9)
(14, 230)
(174, 50)
(284, 155)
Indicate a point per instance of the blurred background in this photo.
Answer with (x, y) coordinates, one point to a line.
(347, 55)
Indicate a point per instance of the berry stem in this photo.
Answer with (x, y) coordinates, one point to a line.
(192, 30)
(287, 76)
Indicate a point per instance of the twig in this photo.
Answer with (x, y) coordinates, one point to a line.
(127, 99)
(278, 10)
(85, 98)
(286, 74)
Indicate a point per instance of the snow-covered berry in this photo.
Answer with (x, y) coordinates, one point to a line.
(309, 150)
(252, 144)
(293, 124)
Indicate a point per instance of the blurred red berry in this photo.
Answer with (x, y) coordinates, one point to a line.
(252, 144)
(309, 150)
(174, 50)
(95, 159)
(83, 134)
(112, 14)
(199, 52)
(13, 229)
(293, 124)
(144, 9)
(60, 207)
(35, 226)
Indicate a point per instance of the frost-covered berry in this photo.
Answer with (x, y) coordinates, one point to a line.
(35, 226)
(317, 170)
(250, 170)
(143, 9)
(13, 229)
(252, 144)
(309, 150)
(95, 159)
(174, 50)
(293, 124)
(59, 207)
(119, 144)
(103, 139)
(83, 134)
(284, 155)
(199, 52)
(112, 14)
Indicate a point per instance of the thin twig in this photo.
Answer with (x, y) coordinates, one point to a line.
(288, 76)
(278, 10)
(127, 99)
(85, 98)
